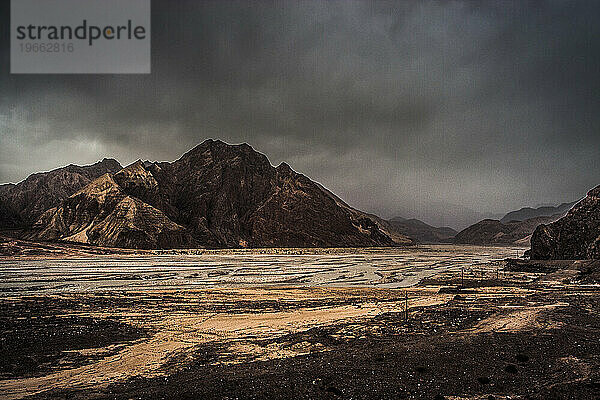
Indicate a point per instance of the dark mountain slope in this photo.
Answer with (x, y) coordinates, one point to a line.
(574, 236)
(23, 203)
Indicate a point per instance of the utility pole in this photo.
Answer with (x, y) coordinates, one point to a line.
(406, 305)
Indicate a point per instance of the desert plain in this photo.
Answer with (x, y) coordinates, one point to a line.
(420, 322)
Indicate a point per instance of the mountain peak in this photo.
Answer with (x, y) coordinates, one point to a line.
(284, 167)
(137, 165)
(217, 144)
(102, 184)
(211, 152)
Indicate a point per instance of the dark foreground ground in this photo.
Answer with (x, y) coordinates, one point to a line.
(531, 331)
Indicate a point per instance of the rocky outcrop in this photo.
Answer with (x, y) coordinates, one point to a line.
(103, 214)
(494, 232)
(216, 195)
(22, 204)
(573, 237)
(422, 232)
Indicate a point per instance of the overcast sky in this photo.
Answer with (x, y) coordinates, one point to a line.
(436, 110)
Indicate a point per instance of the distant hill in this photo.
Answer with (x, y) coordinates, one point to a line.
(528, 212)
(442, 213)
(495, 232)
(422, 232)
(574, 236)
(215, 195)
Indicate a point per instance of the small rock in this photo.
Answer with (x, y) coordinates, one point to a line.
(511, 369)
(522, 358)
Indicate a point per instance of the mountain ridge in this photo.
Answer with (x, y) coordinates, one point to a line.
(525, 213)
(214, 195)
(495, 232)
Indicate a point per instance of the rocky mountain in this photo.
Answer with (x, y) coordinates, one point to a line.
(528, 212)
(23, 203)
(216, 195)
(422, 232)
(574, 236)
(494, 232)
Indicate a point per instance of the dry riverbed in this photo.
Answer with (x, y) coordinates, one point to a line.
(482, 332)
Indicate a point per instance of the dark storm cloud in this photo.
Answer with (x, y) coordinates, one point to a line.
(440, 110)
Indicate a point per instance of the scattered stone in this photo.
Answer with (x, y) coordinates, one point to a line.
(511, 369)
(334, 390)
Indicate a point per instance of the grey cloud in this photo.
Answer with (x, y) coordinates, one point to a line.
(446, 110)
